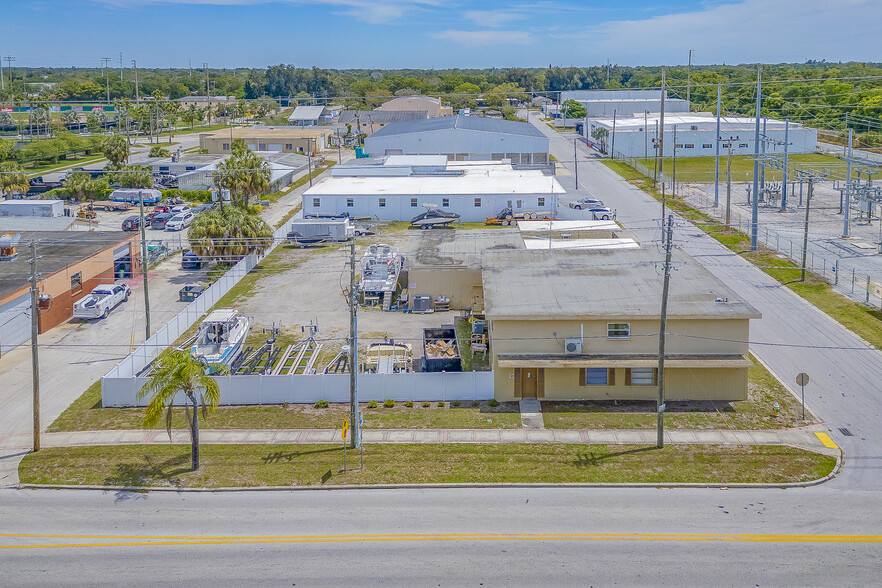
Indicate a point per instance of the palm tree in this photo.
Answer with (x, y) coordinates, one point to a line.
(70, 118)
(12, 179)
(115, 148)
(230, 232)
(174, 372)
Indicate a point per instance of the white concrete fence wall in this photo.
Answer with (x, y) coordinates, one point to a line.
(141, 357)
(300, 389)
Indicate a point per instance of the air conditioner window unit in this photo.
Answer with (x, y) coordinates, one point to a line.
(573, 346)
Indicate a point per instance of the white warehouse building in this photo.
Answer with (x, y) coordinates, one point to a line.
(462, 138)
(696, 135)
(623, 103)
(396, 188)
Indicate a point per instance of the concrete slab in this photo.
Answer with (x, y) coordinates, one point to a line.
(234, 436)
(487, 436)
(767, 437)
(566, 436)
(261, 437)
(400, 437)
(600, 437)
(427, 436)
(540, 436)
(323, 436)
(512, 436)
(710, 437)
(744, 437)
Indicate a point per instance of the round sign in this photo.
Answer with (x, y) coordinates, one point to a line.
(802, 379)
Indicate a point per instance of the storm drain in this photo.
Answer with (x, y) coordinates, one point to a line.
(846, 432)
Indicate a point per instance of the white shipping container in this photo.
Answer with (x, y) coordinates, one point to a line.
(41, 208)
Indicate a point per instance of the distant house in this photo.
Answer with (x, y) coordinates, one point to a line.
(282, 139)
(433, 106)
(365, 122)
(310, 116)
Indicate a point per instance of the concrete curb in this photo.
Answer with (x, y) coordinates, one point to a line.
(663, 485)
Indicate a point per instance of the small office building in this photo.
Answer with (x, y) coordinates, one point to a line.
(462, 138)
(69, 263)
(310, 116)
(583, 325)
(397, 188)
(280, 139)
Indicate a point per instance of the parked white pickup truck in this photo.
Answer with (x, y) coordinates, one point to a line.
(101, 301)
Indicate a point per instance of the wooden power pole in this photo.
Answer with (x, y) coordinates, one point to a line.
(660, 405)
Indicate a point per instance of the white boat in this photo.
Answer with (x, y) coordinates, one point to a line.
(380, 268)
(221, 337)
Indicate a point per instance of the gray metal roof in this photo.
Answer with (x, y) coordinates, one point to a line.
(55, 250)
(620, 283)
(471, 123)
(381, 116)
(308, 113)
(444, 247)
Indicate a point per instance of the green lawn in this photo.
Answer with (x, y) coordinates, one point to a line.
(863, 321)
(701, 169)
(753, 414)
(33, 170)
(86, 414)
(312, 465)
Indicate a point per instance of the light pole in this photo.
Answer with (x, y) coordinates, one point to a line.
(105, 61)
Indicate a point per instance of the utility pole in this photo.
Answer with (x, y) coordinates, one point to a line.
(576, 163)
(717, 154)
(808, 201)
(105, 61)
(655, 145)
(8, 59)
(2, 81)
(353, 350)
(35, 328)
(847, 210)
(612, 147)
(661, 136)
(674, 165)
(754, 214)
(137, 93)
(190, 66)
(660, 403)
(786, 169)
(120, 66)
(765, 138)
(689, 82)
(208, 91)
(607, 73)
(645, 134)
(144, 264)
(729, 183)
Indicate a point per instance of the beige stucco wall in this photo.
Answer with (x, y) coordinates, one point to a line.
(723, 384)
(725, 337)
(454, 282)
(547, 336)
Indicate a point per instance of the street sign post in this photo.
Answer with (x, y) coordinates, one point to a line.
(802, 379)
(343, 434)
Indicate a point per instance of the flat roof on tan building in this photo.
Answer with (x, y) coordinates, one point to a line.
(269, 133)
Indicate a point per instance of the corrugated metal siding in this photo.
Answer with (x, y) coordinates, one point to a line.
(15, 323)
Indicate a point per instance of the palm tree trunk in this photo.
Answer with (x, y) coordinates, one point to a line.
(194, 435)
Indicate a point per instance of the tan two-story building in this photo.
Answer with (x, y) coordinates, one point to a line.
(584, 324)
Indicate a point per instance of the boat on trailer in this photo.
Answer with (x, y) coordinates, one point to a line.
(221, 337)
(434, 217)
(380, 268)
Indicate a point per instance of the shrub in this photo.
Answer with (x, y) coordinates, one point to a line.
(372, 404)
(389, 403)
(159, 151)
(321, 404)
(409, 404)
(427, 404)
(493, 402)
(441, 403)
(475, 403)
(456, 403)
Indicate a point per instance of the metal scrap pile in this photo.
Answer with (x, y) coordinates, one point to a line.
(441, 348)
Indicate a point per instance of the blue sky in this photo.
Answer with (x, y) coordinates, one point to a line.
(436, 33)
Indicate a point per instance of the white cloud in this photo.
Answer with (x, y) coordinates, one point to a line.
(369, 11)
(485, 38)
(747, 31)
(492, 18)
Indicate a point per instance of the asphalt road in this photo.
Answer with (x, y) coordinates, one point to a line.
(443, 537)
(792, 337)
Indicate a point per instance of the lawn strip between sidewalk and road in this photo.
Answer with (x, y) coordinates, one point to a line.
(285, 465)
(861, 320)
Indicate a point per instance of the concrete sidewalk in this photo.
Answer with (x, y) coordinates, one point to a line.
(798, 437)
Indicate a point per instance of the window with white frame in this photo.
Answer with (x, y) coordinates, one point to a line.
(541, 201)
(643, 376)
(350, 202)
(382, 203)
(477, 202)
(316, 201)
(413, 202)
(445, 202)
(618, 330)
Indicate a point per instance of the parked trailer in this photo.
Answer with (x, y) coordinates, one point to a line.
(134, 195)
(440, 351)
(509, 218)
(313, 231)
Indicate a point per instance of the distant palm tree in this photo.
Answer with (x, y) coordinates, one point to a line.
(115, 148)
(12, 179)
(177, 371)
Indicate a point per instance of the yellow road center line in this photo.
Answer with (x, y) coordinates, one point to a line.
(826, 440)
(143, 541)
